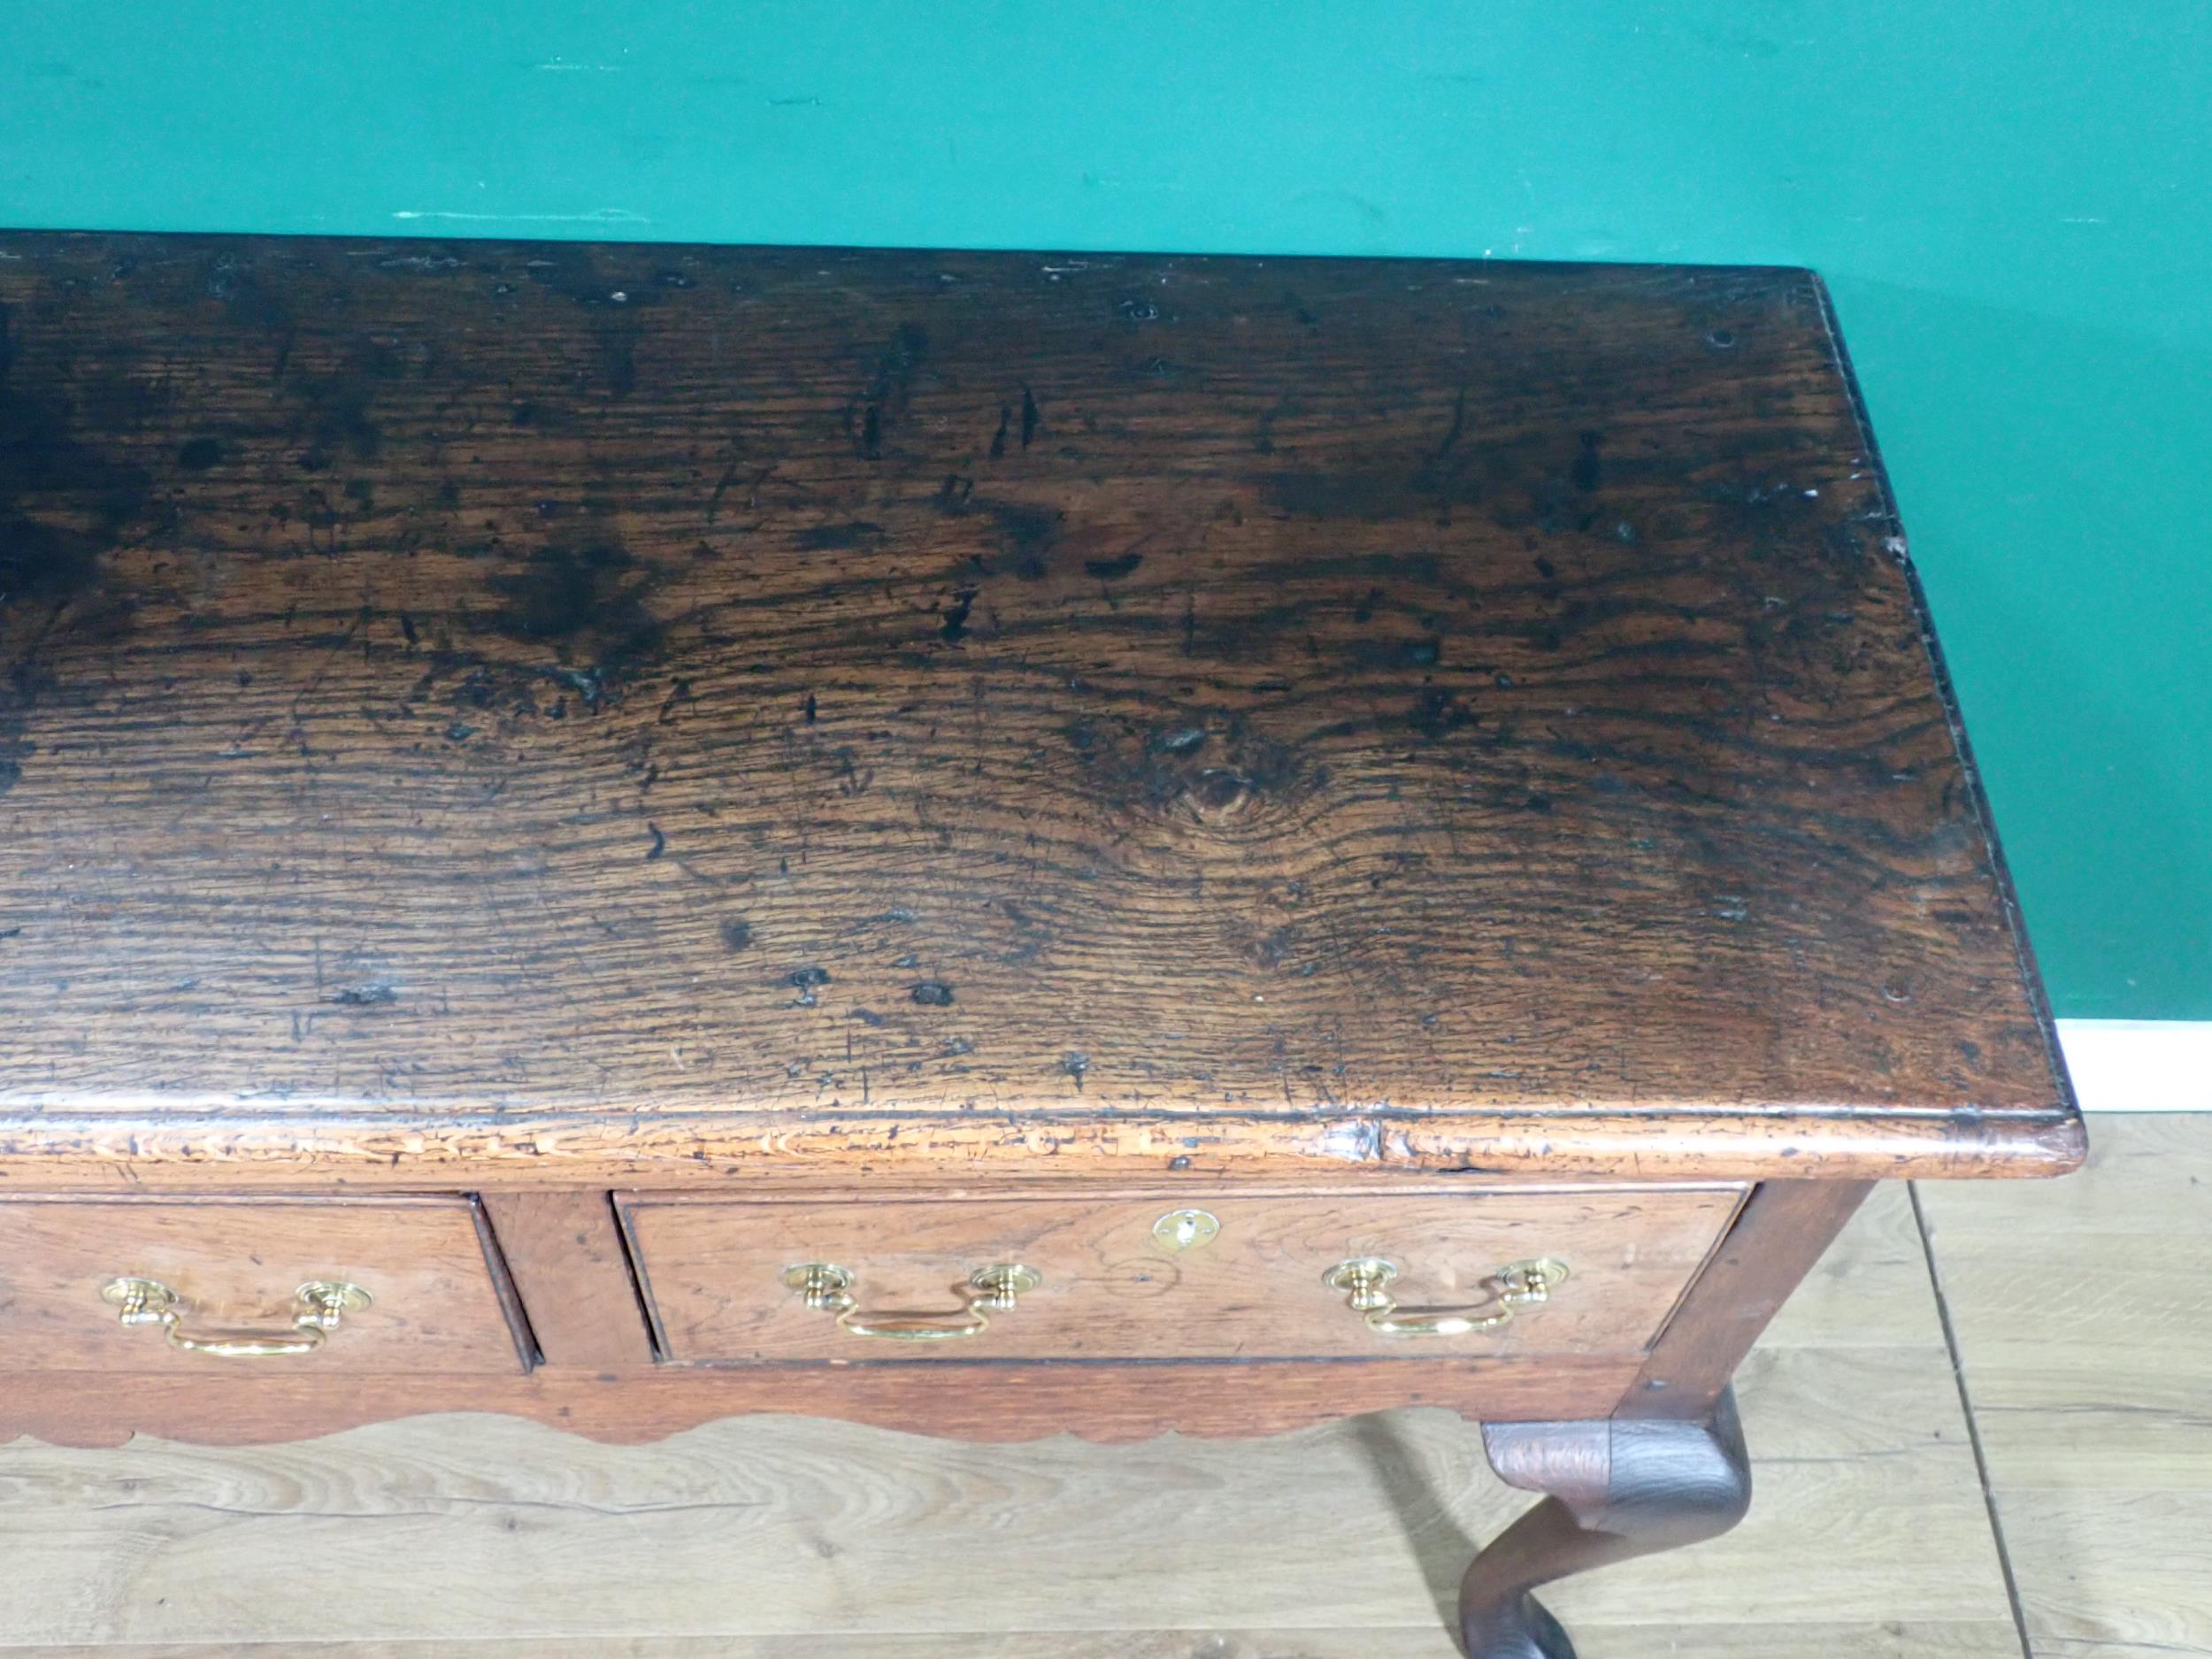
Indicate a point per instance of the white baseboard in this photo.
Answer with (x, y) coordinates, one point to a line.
(2139, 1065)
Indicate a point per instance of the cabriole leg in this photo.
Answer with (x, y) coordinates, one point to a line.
(1614, 1490)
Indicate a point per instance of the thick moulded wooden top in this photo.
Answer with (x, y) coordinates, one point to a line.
(564, 711)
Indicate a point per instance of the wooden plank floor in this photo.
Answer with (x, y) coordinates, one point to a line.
(2081, 1314)
(2086, 1341)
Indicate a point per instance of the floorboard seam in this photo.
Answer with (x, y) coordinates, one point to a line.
(1973, 1426)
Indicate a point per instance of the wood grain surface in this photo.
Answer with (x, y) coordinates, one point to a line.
(486, 685)
(1113, 1290)
(234, 1266)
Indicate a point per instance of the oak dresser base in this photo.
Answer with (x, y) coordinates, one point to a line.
(989, 844)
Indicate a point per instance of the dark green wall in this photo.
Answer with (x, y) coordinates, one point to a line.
(2011, 204)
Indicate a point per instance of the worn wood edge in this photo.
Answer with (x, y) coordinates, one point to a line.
(99, 1153)
(1111, 1187)
(996, 1402)
(1570, 1458)
(1898, 545)
(1779, 1236)
(497, 1269)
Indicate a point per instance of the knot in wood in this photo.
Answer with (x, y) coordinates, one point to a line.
(1218, 793)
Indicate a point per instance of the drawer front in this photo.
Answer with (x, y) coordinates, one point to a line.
(1166, 1276)
(234, 1268)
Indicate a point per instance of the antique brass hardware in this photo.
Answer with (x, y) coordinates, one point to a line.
(827, 1287)
(1523, 1284)
(1186, 1229)
(318, 1306)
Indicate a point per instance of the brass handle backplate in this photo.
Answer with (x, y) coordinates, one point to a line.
(827, 1287)
(318, 1306)
(1365, 1281)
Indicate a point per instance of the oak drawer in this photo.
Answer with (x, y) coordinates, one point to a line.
(436, 1300)
(1161, 1275)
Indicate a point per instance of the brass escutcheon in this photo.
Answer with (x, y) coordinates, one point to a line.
(1186, 1229)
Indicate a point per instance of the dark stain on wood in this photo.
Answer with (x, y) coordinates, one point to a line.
(1549, 682)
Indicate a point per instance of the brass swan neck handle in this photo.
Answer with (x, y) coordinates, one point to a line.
(1363, 1281)
(319, 1307)
(827, 1287)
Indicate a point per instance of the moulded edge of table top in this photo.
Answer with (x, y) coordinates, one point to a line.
(521, 1151)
